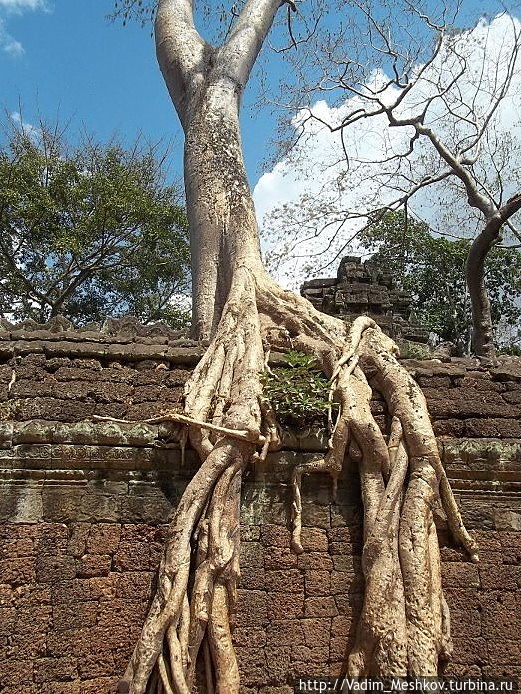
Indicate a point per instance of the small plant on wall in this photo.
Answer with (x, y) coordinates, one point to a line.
(298, 392)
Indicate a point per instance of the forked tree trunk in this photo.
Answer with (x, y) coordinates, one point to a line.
(482, 327)
(243, 312)
(206, 86)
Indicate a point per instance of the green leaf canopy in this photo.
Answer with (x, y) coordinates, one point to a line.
(89, 232)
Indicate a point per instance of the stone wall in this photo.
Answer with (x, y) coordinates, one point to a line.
(84, 508)
(366, 289)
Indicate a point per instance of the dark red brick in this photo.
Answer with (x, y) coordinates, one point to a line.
(52, 669)
(285, 605)
(321, 607)
(103, 538)
(93, 565)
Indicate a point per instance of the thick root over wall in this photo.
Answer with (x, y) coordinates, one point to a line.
(404, 628)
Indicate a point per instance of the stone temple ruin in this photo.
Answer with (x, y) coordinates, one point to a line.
(84, 507)
(364, 288)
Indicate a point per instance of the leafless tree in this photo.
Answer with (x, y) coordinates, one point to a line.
(445, 102)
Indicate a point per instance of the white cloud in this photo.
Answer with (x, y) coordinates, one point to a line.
(32, 131)
(9, 44)
(315, 172)
(22, 5)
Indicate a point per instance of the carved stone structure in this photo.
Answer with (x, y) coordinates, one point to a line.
(84, 507)
(366, 289)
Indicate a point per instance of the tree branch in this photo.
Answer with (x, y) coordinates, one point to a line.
(31, 289)
(236, 57)
(511, 206)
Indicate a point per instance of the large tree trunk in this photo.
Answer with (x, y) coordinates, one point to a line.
(482, 326)
(223, 227)
(243, 312)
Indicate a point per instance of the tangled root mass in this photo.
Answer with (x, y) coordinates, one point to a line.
(404, 628)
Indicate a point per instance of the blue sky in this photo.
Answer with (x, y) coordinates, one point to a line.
(63, 58)
(66, 60)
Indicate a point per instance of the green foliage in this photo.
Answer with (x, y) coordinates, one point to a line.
(298, 392)
(432, 269)
(511, 350)
(88, 232)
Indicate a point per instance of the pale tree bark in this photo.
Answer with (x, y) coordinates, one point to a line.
(206, 86)
(243, 312)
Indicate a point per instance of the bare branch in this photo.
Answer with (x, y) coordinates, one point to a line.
(510, 208)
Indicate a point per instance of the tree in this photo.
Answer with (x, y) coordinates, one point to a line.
(443, 91)
(88, 232)
(243, 313)
(432, 269)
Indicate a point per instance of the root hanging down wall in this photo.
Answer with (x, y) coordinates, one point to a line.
(84, 508)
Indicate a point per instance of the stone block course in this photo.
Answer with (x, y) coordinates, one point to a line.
(318, 583)
(85, 508)
(506, 577)
(300, 617)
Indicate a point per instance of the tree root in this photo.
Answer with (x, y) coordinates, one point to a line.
(404, 627)
(183, 419)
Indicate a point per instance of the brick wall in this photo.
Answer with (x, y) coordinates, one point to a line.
(84, 508)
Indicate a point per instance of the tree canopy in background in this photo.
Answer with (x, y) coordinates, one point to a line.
(432, 269)
(89, 231)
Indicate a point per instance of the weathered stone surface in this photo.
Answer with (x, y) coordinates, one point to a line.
(363, 288)
(85, 504)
